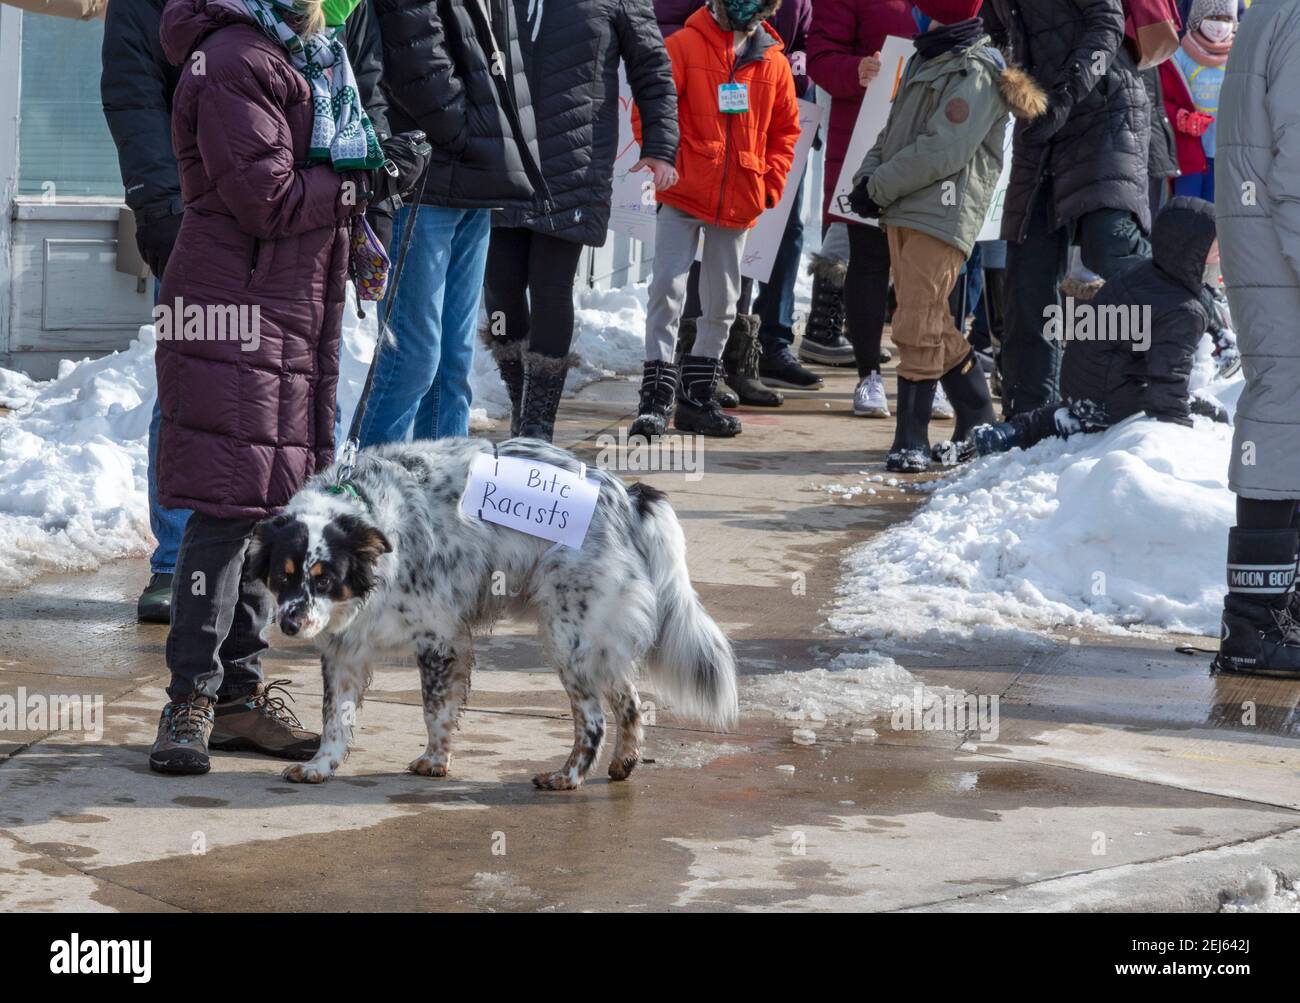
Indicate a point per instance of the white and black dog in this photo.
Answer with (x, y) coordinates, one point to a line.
(390, 567)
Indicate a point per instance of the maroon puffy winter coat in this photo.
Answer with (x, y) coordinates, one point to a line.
(843, 31)
(245, 422)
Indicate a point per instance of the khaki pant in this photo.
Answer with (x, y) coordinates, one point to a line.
(925, 269)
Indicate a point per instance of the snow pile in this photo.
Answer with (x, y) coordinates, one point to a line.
(1265, 891)
(74, 452)
(1125, 527)
(856, 688)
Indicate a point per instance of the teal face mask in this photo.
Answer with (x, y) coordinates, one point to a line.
(337, 11)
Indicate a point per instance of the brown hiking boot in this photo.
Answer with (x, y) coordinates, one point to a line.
(182, 742)
(261, 722)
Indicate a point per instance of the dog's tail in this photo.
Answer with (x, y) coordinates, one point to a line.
(691, 660)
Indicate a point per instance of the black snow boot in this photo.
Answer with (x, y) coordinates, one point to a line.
(740, 361)
(685, 344)
(543, 385)
(968, 392)
(1260, 635)
(1022, 430)
(823, 334)
(910, 453)
(510, 364)
(658, 391)
(697, 411)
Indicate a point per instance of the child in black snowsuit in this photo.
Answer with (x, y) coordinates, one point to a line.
(1135, 352)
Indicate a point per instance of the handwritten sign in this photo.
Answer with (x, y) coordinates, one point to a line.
(632, 208)
(764, 240)
(533, 497)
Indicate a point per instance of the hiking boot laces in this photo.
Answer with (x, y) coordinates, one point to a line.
(186, 722)
(270, 703)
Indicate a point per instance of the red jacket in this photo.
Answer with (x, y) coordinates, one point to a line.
(1191, 152)
(843, 31)
(731, 166)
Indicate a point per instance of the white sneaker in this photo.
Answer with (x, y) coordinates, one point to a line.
(869, 397)
(941, 408)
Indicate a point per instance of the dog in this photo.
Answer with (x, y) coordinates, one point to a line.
(387, 565)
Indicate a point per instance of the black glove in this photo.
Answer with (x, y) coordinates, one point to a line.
(861, 202)
(1210, 408)
(1059, 105)
(155, 240)
(406, 156)
(381, 221)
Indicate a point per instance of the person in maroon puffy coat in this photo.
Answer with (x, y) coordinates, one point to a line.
(247, 400)
(843, 47)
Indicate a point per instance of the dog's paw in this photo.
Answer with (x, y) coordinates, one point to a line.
(306, 773)
(620, 768)
(560, 780)
(427, 766)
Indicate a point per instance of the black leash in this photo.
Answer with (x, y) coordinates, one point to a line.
(348, 454)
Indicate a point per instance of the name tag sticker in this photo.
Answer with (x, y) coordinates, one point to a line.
(533, 497)
(733, 99)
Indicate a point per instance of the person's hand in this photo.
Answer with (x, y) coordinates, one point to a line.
(868, 69)
(1193, 123)
(155, 240)
(1059, 105)
(861, 202)
(664, 173)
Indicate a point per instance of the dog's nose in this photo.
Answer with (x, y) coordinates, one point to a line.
(289, 625)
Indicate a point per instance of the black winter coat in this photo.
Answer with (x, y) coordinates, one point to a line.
(1098, 160)
(1116, 374)
(1162, 156)
(453, 68)
(136, 86)
(572, 50)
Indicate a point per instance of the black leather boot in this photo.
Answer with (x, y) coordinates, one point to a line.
(685, 344)
(543, 385)
(697, 411)
(740, 360)
(910, 453)
(1260, 635)
(508, 356)
(658, 392)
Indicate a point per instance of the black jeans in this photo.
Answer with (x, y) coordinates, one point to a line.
(774, 303)
(528, 288)
(866, 294)
(216, 641)
(1109, 240)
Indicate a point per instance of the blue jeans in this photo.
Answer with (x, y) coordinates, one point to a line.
(1199, 186)
(775, 302)
(168, 524)
(421, 385)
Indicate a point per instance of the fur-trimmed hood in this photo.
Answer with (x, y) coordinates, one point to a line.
(1022, 93)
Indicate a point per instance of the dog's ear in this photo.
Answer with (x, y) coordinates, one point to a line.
(366, 540)
(257, 559)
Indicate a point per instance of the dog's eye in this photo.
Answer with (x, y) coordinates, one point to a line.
(323, 583)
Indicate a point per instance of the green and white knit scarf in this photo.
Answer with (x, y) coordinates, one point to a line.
(341, 133)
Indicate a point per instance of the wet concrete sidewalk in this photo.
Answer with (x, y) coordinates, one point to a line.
(1122, 776)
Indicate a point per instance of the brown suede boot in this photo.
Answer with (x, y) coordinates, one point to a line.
(261, 722)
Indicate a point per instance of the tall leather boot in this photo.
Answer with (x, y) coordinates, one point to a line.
(740, 359)
(910, 453)
(543, 386)
(1260, 635)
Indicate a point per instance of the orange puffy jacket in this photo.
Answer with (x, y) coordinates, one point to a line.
(731, 166)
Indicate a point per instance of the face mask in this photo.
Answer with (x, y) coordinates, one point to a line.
(1218, 32)
(740, 14)
(337, 11)
(923, 21)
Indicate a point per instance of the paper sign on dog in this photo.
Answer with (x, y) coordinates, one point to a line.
(533, 497)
